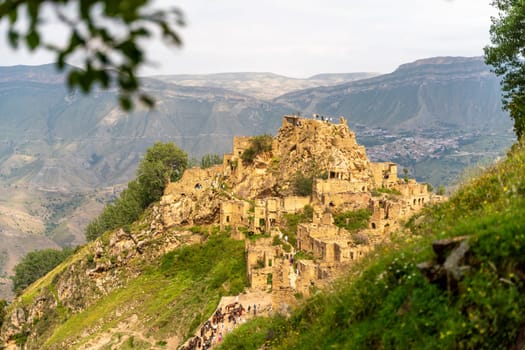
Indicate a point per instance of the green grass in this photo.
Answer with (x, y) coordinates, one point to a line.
(385, 190)
(386, 303)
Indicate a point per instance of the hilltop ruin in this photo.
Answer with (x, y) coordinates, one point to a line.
(255, 197)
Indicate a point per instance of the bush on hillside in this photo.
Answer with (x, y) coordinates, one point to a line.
(292, 220)
(35, 265)
(354, 220)
(258, 144)
(303, 185)
(209, 160)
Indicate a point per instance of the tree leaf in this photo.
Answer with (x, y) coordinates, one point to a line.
(32, 40)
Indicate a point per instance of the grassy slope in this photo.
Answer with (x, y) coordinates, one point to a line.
(174, 294)
(171, 297)
(386, 303)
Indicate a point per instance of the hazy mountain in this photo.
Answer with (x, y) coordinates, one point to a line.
(454, 91)
(262, 85)
(55, 139)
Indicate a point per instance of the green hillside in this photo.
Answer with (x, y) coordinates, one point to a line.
(387, 303)
(157, 299)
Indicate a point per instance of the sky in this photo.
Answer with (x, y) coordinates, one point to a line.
(300, 38)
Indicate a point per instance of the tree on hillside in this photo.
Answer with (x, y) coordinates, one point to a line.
(507, 56)
(107, 34)
(163, 162)
(37, 264)
(209, 160)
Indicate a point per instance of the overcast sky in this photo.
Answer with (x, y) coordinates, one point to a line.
(304, 37)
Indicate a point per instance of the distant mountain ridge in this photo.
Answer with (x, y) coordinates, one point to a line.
(47, 73)
(262, 85)
(73, 141)
(459, 91)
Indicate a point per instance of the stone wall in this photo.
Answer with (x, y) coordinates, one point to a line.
(234, 213)
(384, 174)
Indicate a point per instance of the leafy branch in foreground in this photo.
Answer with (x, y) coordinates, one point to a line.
(107, 34)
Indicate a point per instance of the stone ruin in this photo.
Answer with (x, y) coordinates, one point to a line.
(253, 199)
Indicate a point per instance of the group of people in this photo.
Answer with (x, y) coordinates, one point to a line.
(213, 330)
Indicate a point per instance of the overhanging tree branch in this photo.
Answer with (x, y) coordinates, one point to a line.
(106, 33)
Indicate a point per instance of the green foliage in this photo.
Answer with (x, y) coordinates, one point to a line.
(214, 260)
(386, 303)
(303, 185)
(302, 255)
(35, 265)
(251, 335)
(405, 174)
(3, 307)
(292, 220)
(106, 33)
(385, 190)
(506, 56)
(353, 220)
(209, 160)
(258, 144)
(162, 162)
(20, 338)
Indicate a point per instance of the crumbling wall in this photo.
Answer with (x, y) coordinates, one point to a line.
(384, 174)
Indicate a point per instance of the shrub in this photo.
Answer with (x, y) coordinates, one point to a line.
(292, 220)
(303, 185)
(353, 220)
(258, 144)
(37, 264)
(209, 160)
